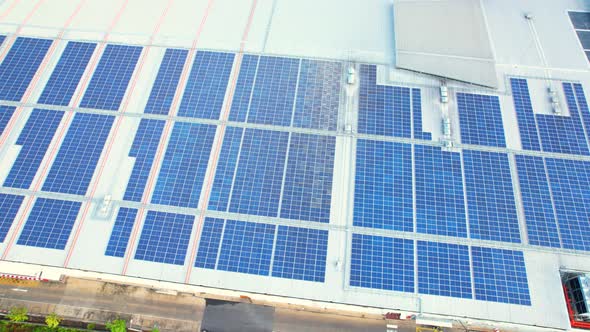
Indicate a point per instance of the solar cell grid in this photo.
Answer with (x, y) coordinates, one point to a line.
(300, 254)
(527, 125)
(318, 95)
(209, 243)
(383, 110)
(121, 231)
(34, 141)
(243, 89)
(49, 224)
(274, 91)
(536, 200)
(164, 237)
(246, 247)
(440, 206)
(382, 263)
(583, 108)
(111, 77)
(480, 120)
(490, 197)
(166, 82)
(444, 269)
(499, 275)
(9, 205)
(226, 168)
(383, 186)
(6, 113)
(76, 161)
(185, 163)
(206, 85)
(417, 116)
(307, 188)
(65, 77)
(20, 65)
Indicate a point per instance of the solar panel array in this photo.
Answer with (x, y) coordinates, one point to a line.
(264, 179)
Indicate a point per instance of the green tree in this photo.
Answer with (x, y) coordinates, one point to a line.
(52, 320)
(118, 325)
(18, 314)
(155, 329)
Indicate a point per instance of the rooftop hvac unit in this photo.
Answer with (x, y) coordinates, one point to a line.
(444, 94)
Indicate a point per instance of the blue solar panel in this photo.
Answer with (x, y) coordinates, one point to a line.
(440, 206)
(109, 82)
(257, 184)
(49, 224)
(383, 110)
(121, 231)
(226, 168)
(243, 89)
(274, 91)
(300, 253)
(206, 86)
(382, 263)
(9, 205)
(318, 95)
(2, 39)
(209, 243)
(490, 197)
(6, 113)
(383, 186)
(480, 120)
(165, 237)
(20, 65)
(583, 108)
(164, 88)
(184, 165)
(527, 125)
(246, 247)
(570, 183)
(417, 114)
(500, 275)
(34, 141)
(443, 269)
(144, 148)
(65, 77)
(78, 156)
(307, 192)
(536, 200)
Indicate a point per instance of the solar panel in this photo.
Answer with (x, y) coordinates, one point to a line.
(166, 82)
(274, 91)
(109, 81)
(49, 224)
(383, 186)
(383, 110)
(527, 125)
(259, 174)
(209, 243)
(490, 197)
(121, 231)
(583, 108)
(246, 247)
(20, 65)
(34, 140)
(2, 39)
(206, 85)
(382, 263)
(440, 206)
(443, 269)
(499, 275)
(417, 116)
(76, 161)
(243, 89)
(6, 113)
(65, 77)
(9, 205)
(570, 180)
(480, 120)
(185, 163)
(318, 95)
(536, 200)
(144, 148)
(300, 253)
(226, 169)
(165, 237)
(307, 189)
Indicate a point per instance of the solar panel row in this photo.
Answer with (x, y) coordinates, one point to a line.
(245, 247)
(9, 205)
(442, 269)
(6, 113)
(480, 120)
(417, 116)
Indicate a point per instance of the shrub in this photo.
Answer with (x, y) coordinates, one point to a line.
(118, 325)
(52, 320)
(91, 326)
(18, 314)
